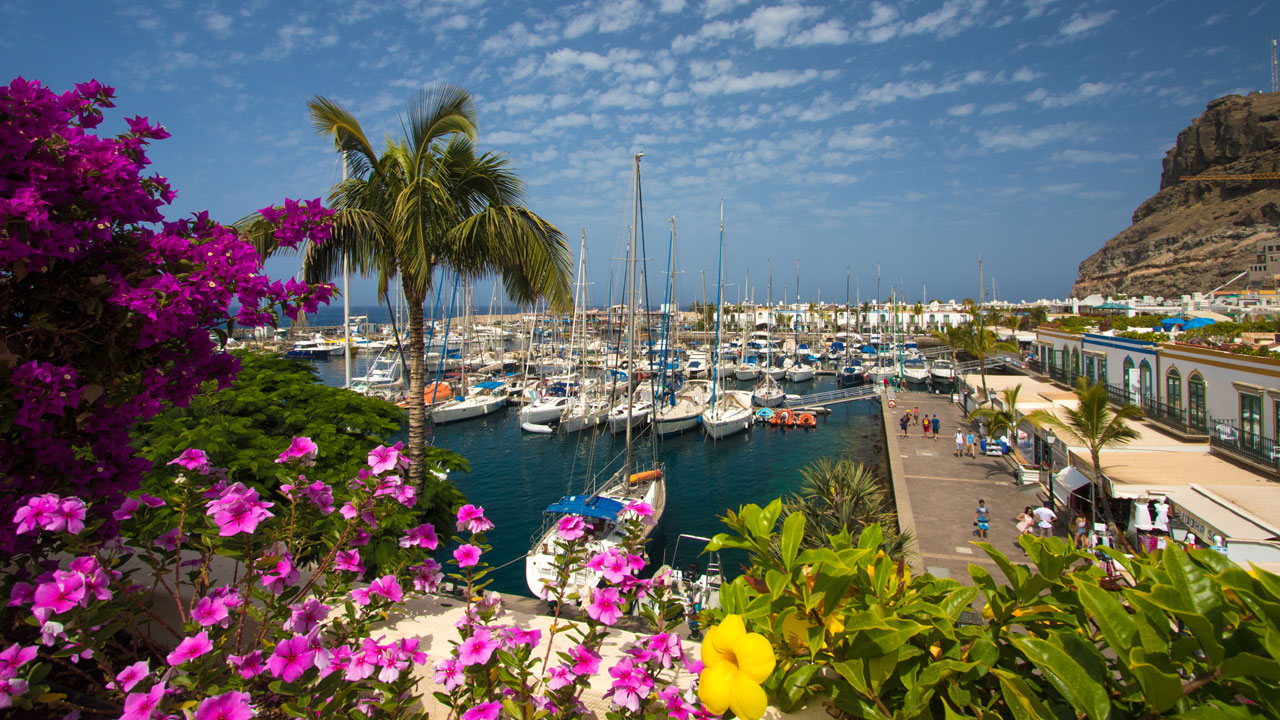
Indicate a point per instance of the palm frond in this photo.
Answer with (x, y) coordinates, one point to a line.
(331, 119)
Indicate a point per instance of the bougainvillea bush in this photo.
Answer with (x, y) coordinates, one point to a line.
(109, 312)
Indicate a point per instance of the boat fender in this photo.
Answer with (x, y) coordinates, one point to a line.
(893, 403)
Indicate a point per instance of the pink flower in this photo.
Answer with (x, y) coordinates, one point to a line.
(14, 657)
(64, 592)
(426, 576)
(422, 536)
(571, 527)
(143, 706)
(248, 666)
(227, 706)
(630, 684)
(291, 658)
(483, 711)
(348, 560)
(191, 459)
(209, 611)
(585, 660)
(449, 674)
(307, 616)
(10, 689)
(70, 514)
(388, 587)
(559, 676)
(477, 649)
(640, 508)
(37, 513)
(467, 555)
(382, 459)
(300, 449)
(613, 564)
(132, 675)
(605, 606)
(190, 649)
(471, 518)
(666, 647)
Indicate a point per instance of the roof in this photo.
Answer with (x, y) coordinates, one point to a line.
(1197, 322)
(587, 506)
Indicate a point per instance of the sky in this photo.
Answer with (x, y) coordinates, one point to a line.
(914, 137)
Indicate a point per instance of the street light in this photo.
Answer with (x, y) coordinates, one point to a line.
(1049, 439)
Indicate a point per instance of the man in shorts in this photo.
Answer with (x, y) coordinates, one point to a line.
(903, 422)
(982, 518)
(935, 423)
(1045, 518)
(959, 443)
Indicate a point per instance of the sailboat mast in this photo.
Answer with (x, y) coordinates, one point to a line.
(631, 315)
(346, 299)
(795, 324)
(715, 356)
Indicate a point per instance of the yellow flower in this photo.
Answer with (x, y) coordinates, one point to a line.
(795, 627)
(736, 662)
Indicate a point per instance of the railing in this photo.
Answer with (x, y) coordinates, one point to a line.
(1063, 375)
(1174, 416)
(1253, 448)
(1119, 394)
(832, 396)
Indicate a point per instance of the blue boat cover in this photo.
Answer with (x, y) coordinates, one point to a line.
(587, 506)
(1169, 323)
(491, 385)
(868, 348)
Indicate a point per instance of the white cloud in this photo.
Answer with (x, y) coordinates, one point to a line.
(1062, 188)
(675, 99)
(712, 8)
(569, 120)
(1080, 24)
(1215, 18)
(671, 6)
(961, 110)
(862, 137)
(997, 108)
(1036, 8)
(217, 23)
(770, 80)
(1024, 74)
(524, 103)
(1083, 157)
(771, 25)
(707, 35)
(950, 20)
(517, 37)
(613, 16)
(916, 67)
(1084, 92)
(1018, 138)
(831, 32)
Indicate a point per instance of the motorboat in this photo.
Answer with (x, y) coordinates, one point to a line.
(916, 370)
(317, 348)
(482, 399)
(730, 413)
(943, 371)
(697, 366)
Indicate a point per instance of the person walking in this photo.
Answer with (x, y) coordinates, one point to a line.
(924, 426)
(982, 518)
(935, 427)
(1045, 518)
(1025, 523)
(959, 443)
(915, 416)
(968, 443)
(1079, 532)
(903, 422)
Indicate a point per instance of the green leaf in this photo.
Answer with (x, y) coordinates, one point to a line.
(1023, 702)
(1249, 665)
(1191, 582)
(853, 672)
(1071, 680)
(777, 583)
(792, 533)
(1117, 626)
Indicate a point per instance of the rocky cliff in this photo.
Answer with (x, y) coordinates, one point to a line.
(1192, 236)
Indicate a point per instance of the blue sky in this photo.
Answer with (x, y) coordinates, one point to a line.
(916, 135)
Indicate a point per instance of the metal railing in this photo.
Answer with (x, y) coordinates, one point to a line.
(1063, 375)
(1174, 416)
(834, 396)
(1228, 439)
(1119, 394)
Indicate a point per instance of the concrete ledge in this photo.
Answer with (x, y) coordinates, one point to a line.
(898, 478)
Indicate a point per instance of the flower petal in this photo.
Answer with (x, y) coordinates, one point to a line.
(714, 687)
(727, 633)
(755, 657)
(746, 698)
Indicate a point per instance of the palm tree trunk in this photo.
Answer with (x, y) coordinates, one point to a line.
(982, 369)
(1100, 499)
(417, 448)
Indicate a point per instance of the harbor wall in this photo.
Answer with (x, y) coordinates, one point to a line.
(898, 480)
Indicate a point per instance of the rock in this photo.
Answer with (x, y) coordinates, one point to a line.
(1192, 236)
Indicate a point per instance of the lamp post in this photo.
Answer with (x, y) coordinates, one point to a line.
(1049, 439)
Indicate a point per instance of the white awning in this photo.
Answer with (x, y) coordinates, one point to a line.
(1066, 481)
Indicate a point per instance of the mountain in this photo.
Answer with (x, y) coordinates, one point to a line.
(1192, 236)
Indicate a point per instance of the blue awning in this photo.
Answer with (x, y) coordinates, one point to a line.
(587, 506)
(1169, 323)
(491, 385)
(1194, 323)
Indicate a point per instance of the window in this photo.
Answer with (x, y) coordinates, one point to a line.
(1102, 370)
(1196, 410)
(1090, 369)
(1075, 361)
(1173, 389)
(1250, 420)
(1144, 380)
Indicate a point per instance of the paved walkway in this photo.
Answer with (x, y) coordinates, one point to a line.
(939, 491)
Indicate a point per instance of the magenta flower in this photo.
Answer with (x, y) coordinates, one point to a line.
(70, 515)
(227, 706)
(305, 617)
(37, 513)
(14, 657)
(571, 527)
(483, 711)
(422, 536)
(132, 675)
(143, 706)
(605, 606)
(388, 587)
(585, 660)
(472, 519)
(348, 560)
(630, 684)
(64, 592)
(291, 658)
(301, 449)
(613, 564)
(191, 459)
(237, 509)
(477, 649)
(467, 555)
(640, 508)
(10, 689)
(426, 576)
(382, 459)
(209, 611)
(248, 666)
(558, 676)
(665, 647)
(190, 649)
(449, 674)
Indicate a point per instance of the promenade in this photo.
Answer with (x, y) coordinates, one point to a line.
(937, 492)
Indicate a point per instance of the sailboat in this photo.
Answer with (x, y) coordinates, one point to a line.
(798, 370)
(730, 410)
(589, 408)
(603, 510)
(768, 393)
(679, 411)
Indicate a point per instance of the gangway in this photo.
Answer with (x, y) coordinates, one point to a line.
(832, 397)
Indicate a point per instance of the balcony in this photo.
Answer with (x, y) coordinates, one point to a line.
(1174, 419)
(1064, 376)
(1252, 449)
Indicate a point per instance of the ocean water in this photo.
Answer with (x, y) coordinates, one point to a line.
(515, 475)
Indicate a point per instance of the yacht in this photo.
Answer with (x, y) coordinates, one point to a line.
(317, 348)
(916, 370)
(768, 393)
(681, 412)
(697, 366)
(730, 413)
(482, 399)
(943, 371)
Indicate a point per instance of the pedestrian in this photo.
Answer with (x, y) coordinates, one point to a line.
(1026, 521)
(1079, 530)
(915, 416)
(1045, 518)
(924, 426)
(982, 518)
(903, 423)
(959, 443)
(935, 427)
(969, 443)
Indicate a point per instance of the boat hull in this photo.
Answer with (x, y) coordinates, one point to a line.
(746, 375)
(723, 428)
(444, 414)
(664, 427)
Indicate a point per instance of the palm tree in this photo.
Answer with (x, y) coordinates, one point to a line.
(430, 202)
(1004, 420)
(982, 343)
(844, 495)
(953, 337)
(918, 311)
(1094, 425)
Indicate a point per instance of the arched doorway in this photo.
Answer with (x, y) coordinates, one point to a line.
(1144, 381)
(1197, 412)
(1124, 378)
(1173, 389)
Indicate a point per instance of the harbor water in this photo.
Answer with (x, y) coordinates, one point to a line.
(515, 475)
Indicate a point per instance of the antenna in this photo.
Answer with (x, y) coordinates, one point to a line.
(1275, 72)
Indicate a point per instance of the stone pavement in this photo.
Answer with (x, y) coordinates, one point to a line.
(939, 491)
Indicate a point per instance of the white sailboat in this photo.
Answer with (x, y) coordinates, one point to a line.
(482, 399)
(681, 412)
(730, 411)
(768, 393)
